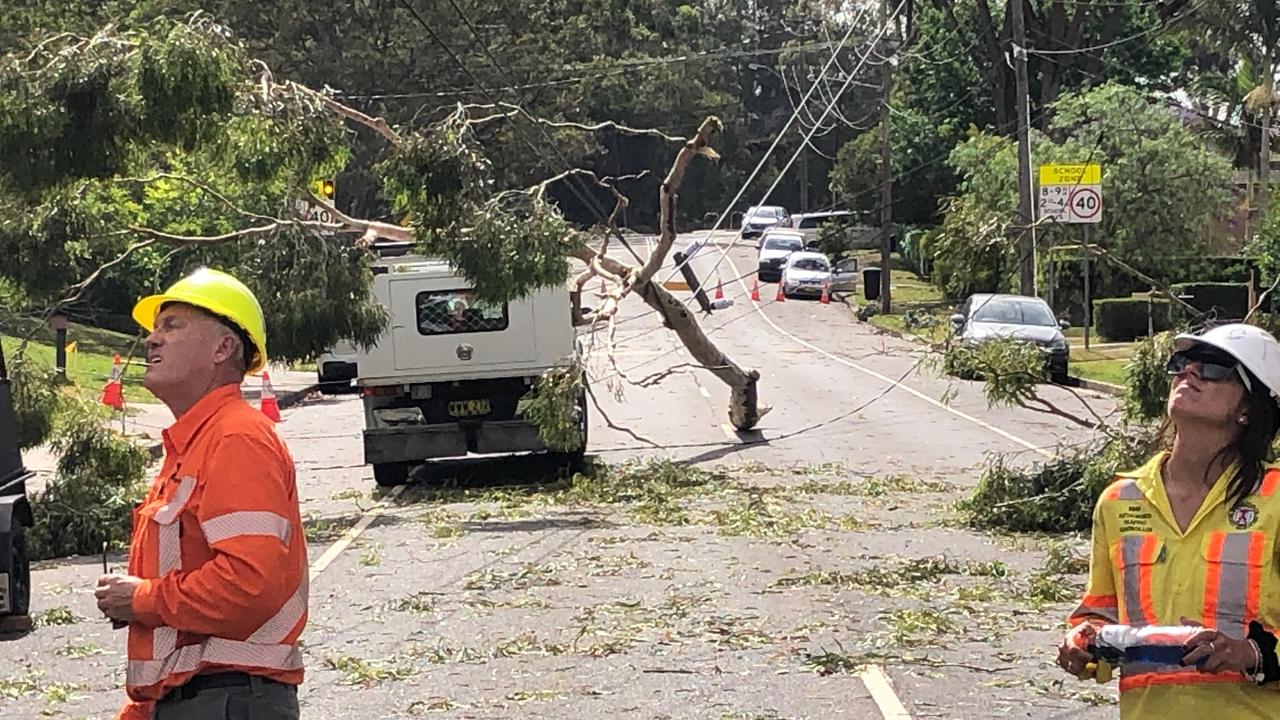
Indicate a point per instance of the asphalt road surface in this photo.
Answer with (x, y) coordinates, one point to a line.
(820, 572)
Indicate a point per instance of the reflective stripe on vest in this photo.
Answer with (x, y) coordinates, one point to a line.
(1139, 675)
(1269, 483)
(1125, 490)
(213, 651)
(265, 648)
(1103, 606)
(1233, 581)
(1135, 556)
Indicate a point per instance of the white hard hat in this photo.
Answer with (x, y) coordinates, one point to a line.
(1254, 347)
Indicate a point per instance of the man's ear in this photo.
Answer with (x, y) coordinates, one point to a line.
(227, 348)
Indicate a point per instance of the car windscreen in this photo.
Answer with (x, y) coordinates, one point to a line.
(1014, 312)
(764, 213)
(819, 220)
(783, 243)
(814, 264)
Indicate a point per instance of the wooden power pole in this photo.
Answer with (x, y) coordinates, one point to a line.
(886, 163)
(1026, 240)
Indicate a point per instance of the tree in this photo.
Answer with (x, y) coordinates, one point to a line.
(1163, 188)
(1245, 35)
(168, 145)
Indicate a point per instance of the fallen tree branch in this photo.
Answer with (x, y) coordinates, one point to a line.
(508, 110)
(377, 124)
(1051, 409)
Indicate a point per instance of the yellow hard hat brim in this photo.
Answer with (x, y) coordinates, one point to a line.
(145, 311)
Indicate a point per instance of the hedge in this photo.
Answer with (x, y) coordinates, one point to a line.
(1124, 319)
(1229, 300)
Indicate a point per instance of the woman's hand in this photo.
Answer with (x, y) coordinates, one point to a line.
(1219, 652)
(1073, 654)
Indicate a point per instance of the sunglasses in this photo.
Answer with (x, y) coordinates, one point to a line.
(1214, 366)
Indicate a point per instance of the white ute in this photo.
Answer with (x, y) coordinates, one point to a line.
(445, 377)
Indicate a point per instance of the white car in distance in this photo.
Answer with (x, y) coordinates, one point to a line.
(775, 247)
(806, 273)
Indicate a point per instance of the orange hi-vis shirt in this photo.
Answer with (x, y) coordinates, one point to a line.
(1222, 572)
(220, 545)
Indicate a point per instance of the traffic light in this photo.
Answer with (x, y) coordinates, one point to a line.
(325, 189)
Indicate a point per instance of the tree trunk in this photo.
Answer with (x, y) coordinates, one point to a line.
(1264, 157)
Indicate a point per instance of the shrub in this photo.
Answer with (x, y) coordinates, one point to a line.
(1123, 319)
(1146, 382)
(1058, 496)
(90, 500)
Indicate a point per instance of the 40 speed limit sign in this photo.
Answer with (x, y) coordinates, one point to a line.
(1071, 193)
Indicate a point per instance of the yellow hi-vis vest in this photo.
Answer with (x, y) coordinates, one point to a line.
(1221, 572)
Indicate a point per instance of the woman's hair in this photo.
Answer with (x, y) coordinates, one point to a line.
(1253, 446)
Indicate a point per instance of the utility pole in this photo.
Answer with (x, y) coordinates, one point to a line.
(886, 163)
(1026, 241)
(804, 179)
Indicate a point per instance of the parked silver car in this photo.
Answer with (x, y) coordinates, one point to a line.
(986, 316)
(808, 273)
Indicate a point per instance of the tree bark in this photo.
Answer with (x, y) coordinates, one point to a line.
(1264, 156)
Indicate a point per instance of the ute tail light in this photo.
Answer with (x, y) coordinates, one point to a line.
(380, 390)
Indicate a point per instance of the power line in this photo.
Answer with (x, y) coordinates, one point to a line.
(778, 179)
(573, 181)
(618, 68)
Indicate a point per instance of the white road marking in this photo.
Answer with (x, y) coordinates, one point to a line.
(730, 433)
(704, 392)
(895, 383)
(882, 692)
(354, 532)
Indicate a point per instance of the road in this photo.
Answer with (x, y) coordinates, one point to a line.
(823, 544)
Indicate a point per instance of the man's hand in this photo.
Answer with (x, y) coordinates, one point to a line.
(115, 596)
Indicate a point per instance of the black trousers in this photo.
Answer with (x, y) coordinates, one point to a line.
(230, 696)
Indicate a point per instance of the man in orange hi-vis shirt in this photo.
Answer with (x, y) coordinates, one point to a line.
(216, 594)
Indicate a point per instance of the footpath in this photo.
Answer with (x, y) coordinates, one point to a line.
(147, 421)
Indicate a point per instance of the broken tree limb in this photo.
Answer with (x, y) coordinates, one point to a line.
(699, 145)
(507, 111)
(744, 409)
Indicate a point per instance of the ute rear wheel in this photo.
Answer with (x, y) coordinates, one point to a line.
(391, 474)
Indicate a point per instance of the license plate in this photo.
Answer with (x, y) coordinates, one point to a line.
(4, 592)
(469, 408)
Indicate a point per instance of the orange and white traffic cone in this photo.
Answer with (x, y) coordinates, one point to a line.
(755, 290)
(270, 407)
(826, 293)
(113, 391)
(781, 296)
(719, 291)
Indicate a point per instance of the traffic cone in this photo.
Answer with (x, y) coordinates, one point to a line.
(781, 296)
(719, 291)
(826, 293)
(113, 391)
(755, 290)
(270, 407)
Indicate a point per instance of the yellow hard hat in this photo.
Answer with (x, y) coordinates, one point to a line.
(220, 294)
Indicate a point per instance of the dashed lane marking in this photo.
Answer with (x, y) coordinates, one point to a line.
(895, 383)
(882, 693)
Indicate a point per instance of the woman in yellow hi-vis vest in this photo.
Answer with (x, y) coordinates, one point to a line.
(1190, 539)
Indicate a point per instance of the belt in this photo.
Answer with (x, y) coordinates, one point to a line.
(200, 683)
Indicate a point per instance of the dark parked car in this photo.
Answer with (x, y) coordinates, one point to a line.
(984, 317)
